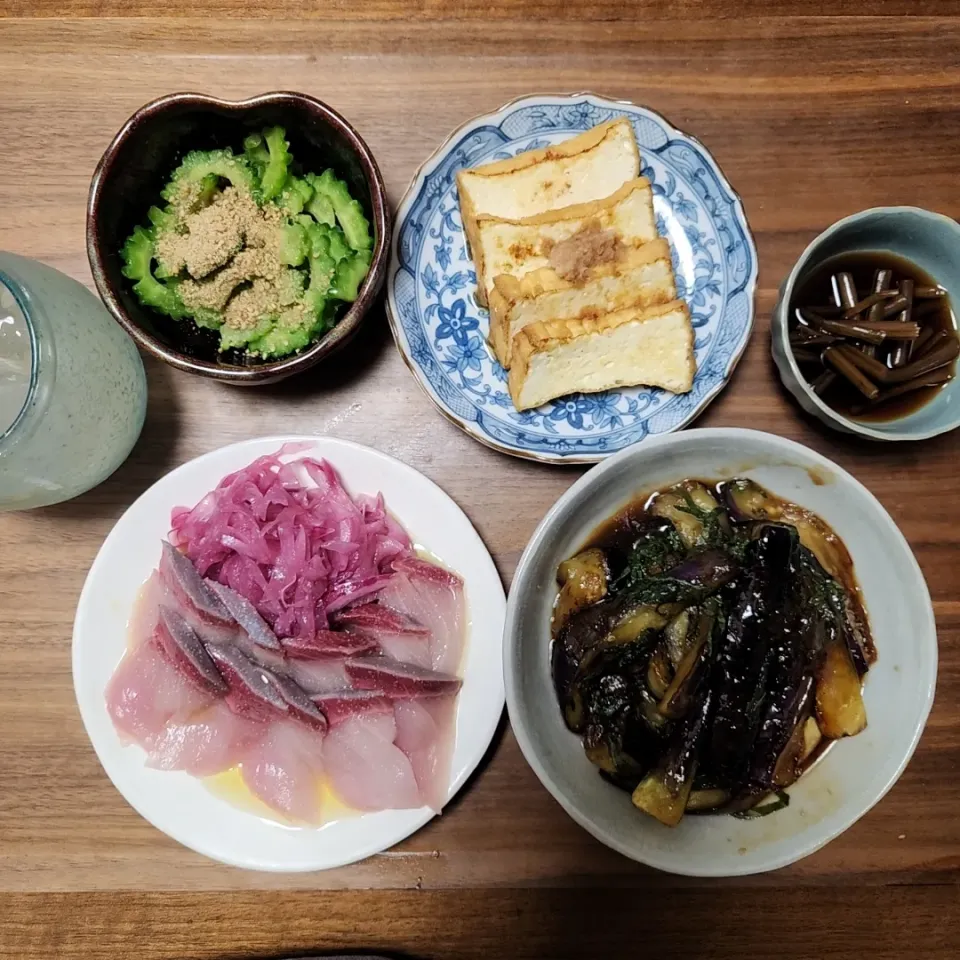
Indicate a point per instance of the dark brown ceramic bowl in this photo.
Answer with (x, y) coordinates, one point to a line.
(138, 163)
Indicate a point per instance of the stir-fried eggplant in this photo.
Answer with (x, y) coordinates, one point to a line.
(812, 738)
(748, 501)
(656, 547)
(808, 622)
(709, 643)
(637, 612)
(581, 634)
(623, 731)
(840, 710)
(660, 672)
(694, 578)
(745, 656)
(583, 581)
(706, 800)
(779, 748)
(664, 792)
(675, 637)
(694, 512)
(695, 666)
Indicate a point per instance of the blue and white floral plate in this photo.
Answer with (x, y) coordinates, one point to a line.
(441, 332)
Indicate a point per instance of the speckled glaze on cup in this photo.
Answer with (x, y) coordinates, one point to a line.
(138, 163)
(930, 240)
(85, 391)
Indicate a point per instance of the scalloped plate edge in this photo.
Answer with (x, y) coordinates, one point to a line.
(413, 191)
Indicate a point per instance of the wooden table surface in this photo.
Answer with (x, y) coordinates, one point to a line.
(812, 117)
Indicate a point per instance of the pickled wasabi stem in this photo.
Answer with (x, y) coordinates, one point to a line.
(274, 176)
(198, 165)
(349, 212)
(137, 256)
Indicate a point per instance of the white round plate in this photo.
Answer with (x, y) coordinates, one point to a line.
(181, 805)
(441, 332)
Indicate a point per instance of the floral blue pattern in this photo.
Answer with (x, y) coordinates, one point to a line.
(440, 328)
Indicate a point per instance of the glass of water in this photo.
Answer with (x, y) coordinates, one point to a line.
(72, 389)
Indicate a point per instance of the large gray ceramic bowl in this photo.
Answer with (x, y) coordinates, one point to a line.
(930, 240)
(850, 777)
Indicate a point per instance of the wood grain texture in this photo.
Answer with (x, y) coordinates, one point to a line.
(426, 10)
(489, 924)
(811, 118)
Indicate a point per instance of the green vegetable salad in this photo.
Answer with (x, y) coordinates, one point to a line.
(247, 246)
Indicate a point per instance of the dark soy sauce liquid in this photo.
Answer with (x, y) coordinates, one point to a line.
(816, 289)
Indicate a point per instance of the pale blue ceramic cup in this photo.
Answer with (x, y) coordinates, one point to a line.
(73, 394)
(930, 240)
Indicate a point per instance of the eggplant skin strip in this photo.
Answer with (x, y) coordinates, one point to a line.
(810, 622)
(745, 658)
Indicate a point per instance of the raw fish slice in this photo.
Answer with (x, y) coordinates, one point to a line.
(235, 636)
(204, 628)
(342, 704)
(283, 769)
(185, 651)
(350, 591)
(425, 733)
(397, 679)
(262, 695)
(245, 613)
(253, 691)
(181, 577)
(375, 618)
(212, 741)
(319, 676)
(146, 692)
(434, 598)
(325, 644)
(406, 649)
(397, 635)
(300, 706)
(274, 660)
(366, 769)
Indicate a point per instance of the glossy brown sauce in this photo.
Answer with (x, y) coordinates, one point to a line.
(617, 534)
(616, 537)
(816, 288)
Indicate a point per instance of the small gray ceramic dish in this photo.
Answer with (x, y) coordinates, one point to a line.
(850, 777)
(930, 240)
